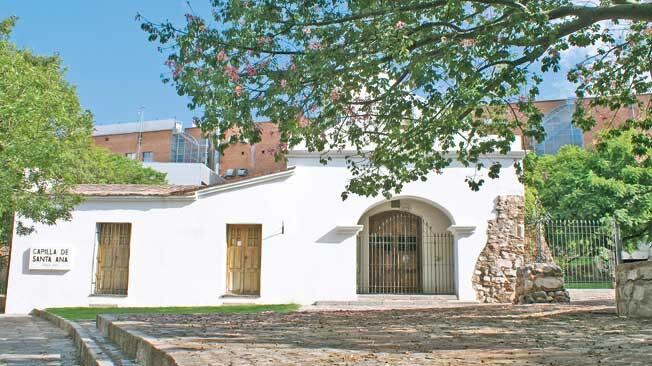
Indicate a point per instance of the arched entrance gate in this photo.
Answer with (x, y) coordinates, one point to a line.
(400, 253)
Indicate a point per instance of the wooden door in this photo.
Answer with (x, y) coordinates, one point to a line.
(244, 243)
(395, 253)
(112, 275)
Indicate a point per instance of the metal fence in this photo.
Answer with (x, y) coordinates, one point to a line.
(586, 250)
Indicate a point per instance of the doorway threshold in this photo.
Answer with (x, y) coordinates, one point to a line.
(239, 296)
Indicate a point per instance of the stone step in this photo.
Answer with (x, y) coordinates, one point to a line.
(109, 349)
(397, 301)
(388, 297)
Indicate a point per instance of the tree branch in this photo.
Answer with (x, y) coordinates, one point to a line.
(640, 11)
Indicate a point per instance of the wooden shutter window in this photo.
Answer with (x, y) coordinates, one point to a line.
(112, 275)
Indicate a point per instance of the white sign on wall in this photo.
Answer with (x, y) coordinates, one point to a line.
(50, 258)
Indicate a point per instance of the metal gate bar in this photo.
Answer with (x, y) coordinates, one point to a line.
(586, 250)
(403, 255)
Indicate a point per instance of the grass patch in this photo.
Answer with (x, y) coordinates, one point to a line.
(589, 285)
(87, 313)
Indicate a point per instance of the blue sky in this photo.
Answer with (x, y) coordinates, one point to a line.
(115, 69)
(108, 58)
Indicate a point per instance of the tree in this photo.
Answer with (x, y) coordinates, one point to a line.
(608, 182)
(99, 166)
(400, 77)
(45, 142)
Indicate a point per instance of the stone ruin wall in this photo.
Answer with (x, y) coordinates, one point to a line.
(494, 278)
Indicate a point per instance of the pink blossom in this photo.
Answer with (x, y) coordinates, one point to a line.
(467, 42)
(170, 63)
(522, 98)
(306, 30)
(250, 70)
(232, 72)
(313, 108)
(177, 71)
(284, 83)
(399, 25)
(189, 17)
(221, 56)
(238, 90)
(303, 121)
(314, 45)
(293, 67)
(264, 40)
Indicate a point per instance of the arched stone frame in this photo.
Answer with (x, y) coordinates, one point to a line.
(459, 233)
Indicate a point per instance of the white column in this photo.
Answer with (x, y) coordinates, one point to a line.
(464, 262)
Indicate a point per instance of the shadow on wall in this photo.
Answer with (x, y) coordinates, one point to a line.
(124, 205)
(334, 236)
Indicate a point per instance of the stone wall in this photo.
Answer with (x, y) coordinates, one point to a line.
(540, 283)
(494, 278)
(634, 289)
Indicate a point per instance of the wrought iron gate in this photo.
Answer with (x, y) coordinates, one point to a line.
(586, 250)
(401, 254)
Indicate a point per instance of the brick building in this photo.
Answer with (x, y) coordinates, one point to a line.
(258, 159)
(560, 131)
(167, 141)
(156, 139)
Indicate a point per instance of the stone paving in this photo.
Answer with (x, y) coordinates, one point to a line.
(26, 340)
(586, 333)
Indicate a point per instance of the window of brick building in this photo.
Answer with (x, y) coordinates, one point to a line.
(148, 156)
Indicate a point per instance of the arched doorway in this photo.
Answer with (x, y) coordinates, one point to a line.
(400, 252)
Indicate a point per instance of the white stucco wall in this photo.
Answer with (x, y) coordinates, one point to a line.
(186, 173)
(178, 248)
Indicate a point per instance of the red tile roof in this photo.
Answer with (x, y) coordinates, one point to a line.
(134, 190)
(113, 190)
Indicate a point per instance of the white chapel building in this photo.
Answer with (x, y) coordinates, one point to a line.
(284, 237)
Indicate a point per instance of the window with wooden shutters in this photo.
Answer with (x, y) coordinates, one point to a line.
(112, 270)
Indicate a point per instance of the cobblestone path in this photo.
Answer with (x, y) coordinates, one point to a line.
(587, 333)
(26, 340)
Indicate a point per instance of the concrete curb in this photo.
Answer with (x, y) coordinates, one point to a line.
(90, 354)
(134, 344)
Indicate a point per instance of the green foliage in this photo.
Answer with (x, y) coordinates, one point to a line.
(611, 181)
(45, 142)
(91, 313)
(99, 166)
(398, 82)
(43, 131)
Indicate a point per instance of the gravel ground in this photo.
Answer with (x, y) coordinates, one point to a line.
(586, 333)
